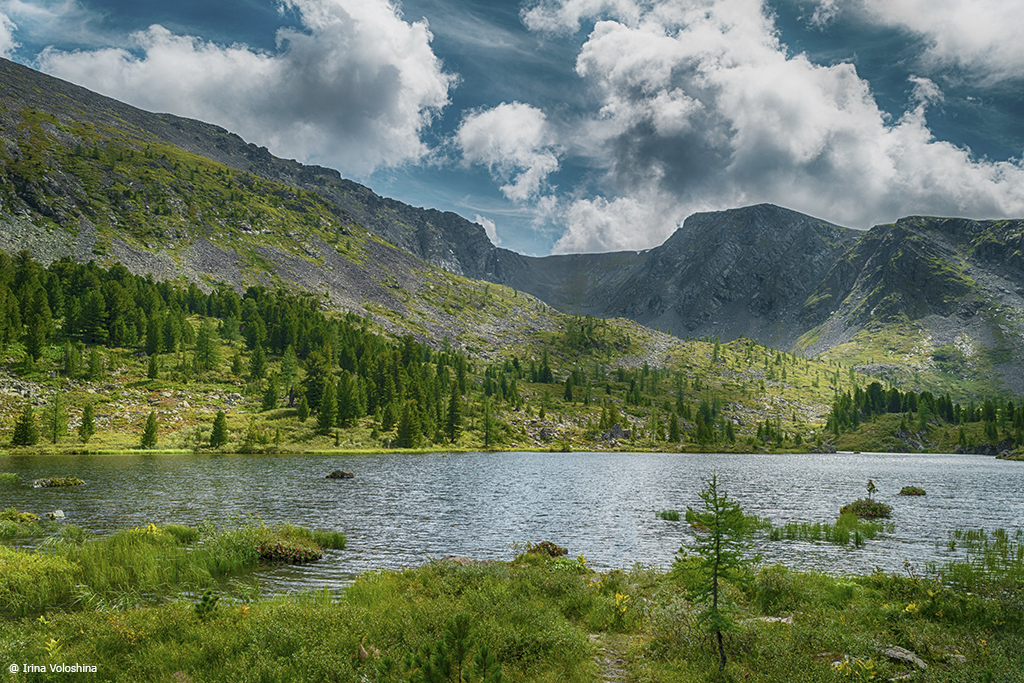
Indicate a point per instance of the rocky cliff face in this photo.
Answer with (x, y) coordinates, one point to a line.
(727, 273)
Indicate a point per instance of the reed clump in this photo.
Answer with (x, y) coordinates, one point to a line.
(848, 529)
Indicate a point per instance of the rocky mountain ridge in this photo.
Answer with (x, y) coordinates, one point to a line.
(88, 177)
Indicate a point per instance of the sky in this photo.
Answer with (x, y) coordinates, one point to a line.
(566, 126)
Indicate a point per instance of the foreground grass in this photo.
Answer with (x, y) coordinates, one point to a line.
(538, 618)
(136, 566)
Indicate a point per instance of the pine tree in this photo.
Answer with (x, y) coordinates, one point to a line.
(207, 355)
(327, 414)
(453, 421)
(719, 546)
(489, 427)
(236, 363)
(95, 369)
(88, 425)
(56, 418)
(289, 369)
(303, 410)
(149, 432)
(26, 432)
(258, 363)
(270, 394)
(219, 433)
(153, 369)
(409, 428)
(673, 428)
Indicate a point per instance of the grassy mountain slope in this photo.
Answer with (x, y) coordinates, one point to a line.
(928, 303)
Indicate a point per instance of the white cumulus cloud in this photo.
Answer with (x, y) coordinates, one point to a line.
(7, 42)
(700, 106)
(980, 35)
(514, 142)
(353, 87)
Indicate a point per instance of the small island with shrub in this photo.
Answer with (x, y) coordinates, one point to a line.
(911, 491)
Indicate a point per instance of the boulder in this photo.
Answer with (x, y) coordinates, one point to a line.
(340, 474)
(56, 514)
(898, 654)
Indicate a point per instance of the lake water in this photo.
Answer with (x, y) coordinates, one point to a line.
(401, 510)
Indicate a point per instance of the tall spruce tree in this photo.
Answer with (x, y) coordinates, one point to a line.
(26, 431)
(327, 414)
(409, 427)
(453, 420)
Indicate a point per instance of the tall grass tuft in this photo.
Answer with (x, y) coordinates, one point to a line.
(147, 563)
(848, 528)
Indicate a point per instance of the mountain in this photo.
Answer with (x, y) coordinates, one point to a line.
(934, 303)
(742, 272)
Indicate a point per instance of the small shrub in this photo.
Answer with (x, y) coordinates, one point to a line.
(669, 515)
(867, 508)
(547, 548)
(290, 553)
(911, 491)
(8, 478)
(207, 605)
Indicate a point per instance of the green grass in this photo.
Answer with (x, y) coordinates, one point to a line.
(535, 616)
(849, 528)
(148, 563)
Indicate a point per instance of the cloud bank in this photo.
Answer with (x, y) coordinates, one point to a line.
(353, 87)
(699, 105)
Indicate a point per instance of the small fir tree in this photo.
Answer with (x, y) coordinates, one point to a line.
(88, 425)
(673, 428)
(56, 418)
(219, 433)
(236, 363)
(258, 364)
(328, 413)
(26, 431)
(153, 369)
(149, 432)
(720, 547)
(95, 368)
(270, 394)
(303, 410)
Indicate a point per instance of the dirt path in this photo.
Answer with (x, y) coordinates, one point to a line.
(610, 649)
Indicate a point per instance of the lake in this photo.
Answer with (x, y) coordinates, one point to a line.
(400, 510)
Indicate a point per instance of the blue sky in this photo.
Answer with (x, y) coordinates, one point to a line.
(583, 125)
